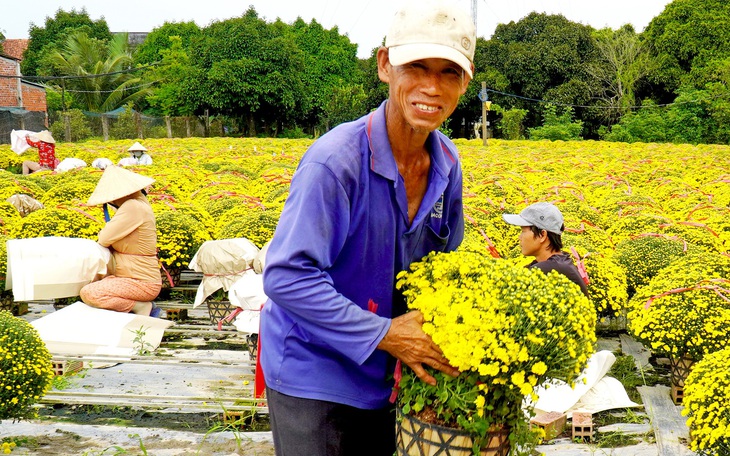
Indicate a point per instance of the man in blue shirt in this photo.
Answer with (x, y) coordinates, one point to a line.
(368, 198)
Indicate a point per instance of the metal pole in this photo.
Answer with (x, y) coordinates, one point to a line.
(484, 116)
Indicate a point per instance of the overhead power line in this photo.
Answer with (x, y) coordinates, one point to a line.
(568, 105)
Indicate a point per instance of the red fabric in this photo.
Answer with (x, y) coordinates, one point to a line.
(259, 382)
(46, 153)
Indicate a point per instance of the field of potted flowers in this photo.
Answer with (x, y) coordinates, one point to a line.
(650, 222)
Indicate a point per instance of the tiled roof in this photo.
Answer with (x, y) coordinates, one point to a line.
(15, 48)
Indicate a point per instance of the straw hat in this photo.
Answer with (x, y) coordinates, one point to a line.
(45, 136)
(117, 182)
(136, 146)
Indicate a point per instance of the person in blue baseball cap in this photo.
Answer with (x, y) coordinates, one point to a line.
(541, 237)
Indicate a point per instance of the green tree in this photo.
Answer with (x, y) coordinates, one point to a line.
(97, 71)
(557, 126)
(172, 94)
(330, 66)
(150, 50)
(45, 40)
(345, 103)
(541, 57)
(249, 70)
(623, 60)
(686, 36)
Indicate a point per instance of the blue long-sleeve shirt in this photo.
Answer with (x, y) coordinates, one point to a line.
(342, 237)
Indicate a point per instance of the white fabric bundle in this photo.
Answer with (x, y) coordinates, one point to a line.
(53, 267)
(67, 164)
(18, 144)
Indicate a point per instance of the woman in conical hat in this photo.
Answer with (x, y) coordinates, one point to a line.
(46, 146)
(138, 155)
(134, 279)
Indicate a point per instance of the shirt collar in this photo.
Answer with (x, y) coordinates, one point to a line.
(381, 155)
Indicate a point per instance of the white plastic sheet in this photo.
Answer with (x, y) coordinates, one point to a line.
(18, 144)
(593, 392)
(79, 329)
(53, 267)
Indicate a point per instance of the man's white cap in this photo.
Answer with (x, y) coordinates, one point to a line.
(430, 30)
(542, 215)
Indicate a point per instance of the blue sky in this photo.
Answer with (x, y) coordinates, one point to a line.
(364, 21)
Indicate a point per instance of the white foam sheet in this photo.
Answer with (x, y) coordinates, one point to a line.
(53, 267)
(79, 329)
(593, 391)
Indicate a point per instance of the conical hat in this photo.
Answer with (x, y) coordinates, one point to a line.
(136, 146)
(117, 182)
(45, 136)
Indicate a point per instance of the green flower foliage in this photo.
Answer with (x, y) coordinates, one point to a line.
(62, 222)
(607, 287)
(256, 225)
(685, 309)
(707, 404)
(25, 367)
(179, 236)
(644, 256)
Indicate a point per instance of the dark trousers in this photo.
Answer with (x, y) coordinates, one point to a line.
(307, 427)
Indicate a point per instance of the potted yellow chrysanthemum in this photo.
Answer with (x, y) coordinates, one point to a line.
(25, 367)
(683, 312)
(507, 329)
(707, 404)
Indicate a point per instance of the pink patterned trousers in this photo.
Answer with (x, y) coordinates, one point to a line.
(119, 293)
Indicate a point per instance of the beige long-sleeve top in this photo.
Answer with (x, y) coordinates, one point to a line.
(132, 236)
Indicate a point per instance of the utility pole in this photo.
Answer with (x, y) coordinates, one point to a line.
(474, 12)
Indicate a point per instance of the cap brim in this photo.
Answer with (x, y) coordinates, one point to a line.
(406, 53)
(514, 219)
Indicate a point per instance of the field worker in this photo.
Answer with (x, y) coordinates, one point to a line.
(542, 228)
(137, 156)
(368, 198)
(46, 146)
(131, 235)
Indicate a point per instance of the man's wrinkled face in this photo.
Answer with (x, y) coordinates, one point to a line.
(426, 92)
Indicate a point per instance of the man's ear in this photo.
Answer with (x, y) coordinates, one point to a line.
(384, 65)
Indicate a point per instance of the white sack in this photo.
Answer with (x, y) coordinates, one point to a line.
(67, 164)
(248, 291)
(53, 267)
(247, 321)
(101, 163)
(222, 263)
(18, 144)
(79, 329)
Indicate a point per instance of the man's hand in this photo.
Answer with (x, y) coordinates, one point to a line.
(406, 341)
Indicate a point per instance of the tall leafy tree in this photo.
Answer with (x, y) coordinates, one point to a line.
(685, 37)
(622, 61)
(250, 70)
(48, 39)
(171, 95)
(330, 65)
(149, 51)
(98, 72)
(541, 57)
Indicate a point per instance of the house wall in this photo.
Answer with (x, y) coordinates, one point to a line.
(9, 86)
